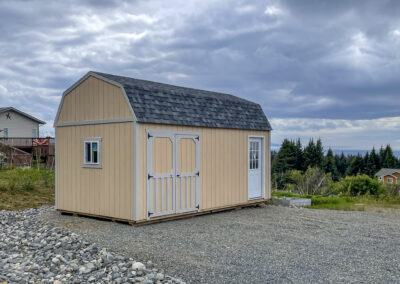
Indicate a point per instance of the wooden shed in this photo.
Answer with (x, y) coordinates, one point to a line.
(138, 151)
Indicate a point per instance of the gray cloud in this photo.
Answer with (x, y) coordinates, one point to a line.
(298, 59)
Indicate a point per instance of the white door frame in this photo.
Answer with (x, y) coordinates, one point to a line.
(174, 136)
(263, 151)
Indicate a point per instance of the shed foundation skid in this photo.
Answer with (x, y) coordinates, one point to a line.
(254, 203)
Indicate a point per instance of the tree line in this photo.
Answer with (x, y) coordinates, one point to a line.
(293, 156)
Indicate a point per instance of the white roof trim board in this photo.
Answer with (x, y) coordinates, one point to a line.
(153, 102)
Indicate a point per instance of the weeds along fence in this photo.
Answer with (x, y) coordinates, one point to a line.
(11, 156)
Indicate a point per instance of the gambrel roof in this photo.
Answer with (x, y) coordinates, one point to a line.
(167, 104)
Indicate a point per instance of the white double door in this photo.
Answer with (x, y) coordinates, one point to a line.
(255, 168)
(173, 173)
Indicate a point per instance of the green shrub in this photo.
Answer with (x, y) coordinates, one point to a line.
(314, 181)
(358, 185)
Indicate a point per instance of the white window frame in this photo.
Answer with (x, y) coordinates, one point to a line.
(86, 164)
(5, 132)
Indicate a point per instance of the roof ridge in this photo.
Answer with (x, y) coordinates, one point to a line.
(233, 97)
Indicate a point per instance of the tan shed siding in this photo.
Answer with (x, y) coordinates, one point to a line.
(107, 191)
(94, 99)
(223, 165)
(186, 155)
(162, 155)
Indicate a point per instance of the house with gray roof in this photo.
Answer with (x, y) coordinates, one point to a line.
(388, 176)
(142, 151)
(18, 124)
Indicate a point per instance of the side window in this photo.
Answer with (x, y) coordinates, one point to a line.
(34, 133)
(92, 153)
(5, 131)
(390, 180)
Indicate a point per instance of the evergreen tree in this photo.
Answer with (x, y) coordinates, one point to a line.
(285, 160)
(319, 161)
(375, 162)
(341, 164)
(389, 160)
(299, 156)
(309, 151)
(355, 166)
(313, 154)
(367, 165)
(381, 156)
(330, 165)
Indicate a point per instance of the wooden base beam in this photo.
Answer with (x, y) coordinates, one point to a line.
(255, 203)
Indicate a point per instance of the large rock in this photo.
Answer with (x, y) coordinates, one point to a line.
(138, 266)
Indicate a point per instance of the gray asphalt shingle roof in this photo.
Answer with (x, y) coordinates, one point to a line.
(154, 102)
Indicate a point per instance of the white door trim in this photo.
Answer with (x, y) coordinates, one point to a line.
(263, 151)
(174, 136)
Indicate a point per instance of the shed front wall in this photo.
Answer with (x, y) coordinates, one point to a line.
(107, 191)
(223, 165)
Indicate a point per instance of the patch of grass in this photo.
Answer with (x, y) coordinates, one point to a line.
(26, 188)
(347, 203)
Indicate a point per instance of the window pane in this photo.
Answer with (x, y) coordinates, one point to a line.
(94, 146)
(95, 157)
(88, 153)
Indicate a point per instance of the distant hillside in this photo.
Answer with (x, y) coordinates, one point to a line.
(362, 152)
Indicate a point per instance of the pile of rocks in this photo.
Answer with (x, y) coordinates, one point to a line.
(32, 250)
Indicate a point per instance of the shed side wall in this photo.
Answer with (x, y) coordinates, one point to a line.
(94, 99)
(223, 165)
(107, 191)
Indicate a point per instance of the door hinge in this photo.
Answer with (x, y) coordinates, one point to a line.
(198, 173)
(149, 136)
(198, 206)
(197, 138)
(149, 213)
(149, 176)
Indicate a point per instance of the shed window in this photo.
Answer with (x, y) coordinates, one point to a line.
(92, 152)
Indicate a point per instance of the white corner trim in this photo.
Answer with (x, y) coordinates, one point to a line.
(90, 73)
(136, 171)
(56, 171)
(92, 122)
(269, 165)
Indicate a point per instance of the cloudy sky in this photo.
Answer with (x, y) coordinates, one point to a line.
(328, 69)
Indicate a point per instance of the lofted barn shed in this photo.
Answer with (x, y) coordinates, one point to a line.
(136, 150)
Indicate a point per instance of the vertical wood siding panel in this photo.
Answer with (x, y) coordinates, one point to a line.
(94, 99)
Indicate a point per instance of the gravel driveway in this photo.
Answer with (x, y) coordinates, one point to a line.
(259, 245)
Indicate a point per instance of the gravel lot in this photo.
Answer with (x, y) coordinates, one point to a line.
(34, 251)
(259, 245)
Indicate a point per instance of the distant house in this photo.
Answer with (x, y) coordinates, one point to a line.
(17, 124)
(388, 176)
